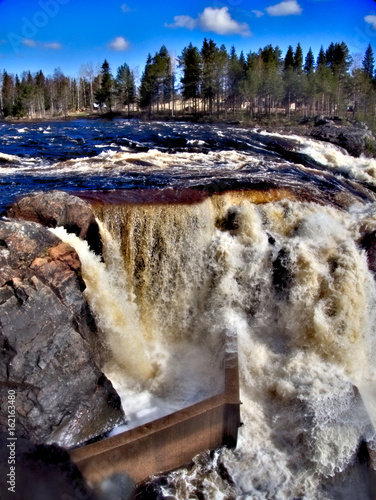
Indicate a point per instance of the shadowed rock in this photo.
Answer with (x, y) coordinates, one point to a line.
(43, 472)
(48, 342)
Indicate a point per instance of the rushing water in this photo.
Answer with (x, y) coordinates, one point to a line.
(275, 263)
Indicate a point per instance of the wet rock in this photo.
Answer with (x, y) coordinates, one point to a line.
(368, 243)
(48, 342)
(355, 141)
(281, 274)
(57, 208)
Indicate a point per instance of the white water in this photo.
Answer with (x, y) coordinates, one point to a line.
(175, 284)
(334, 157)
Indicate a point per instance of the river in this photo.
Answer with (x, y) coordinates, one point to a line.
(224, 231)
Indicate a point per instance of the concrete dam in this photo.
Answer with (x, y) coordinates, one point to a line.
(169, 442)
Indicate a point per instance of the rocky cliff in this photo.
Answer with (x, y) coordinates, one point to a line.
(49, 343)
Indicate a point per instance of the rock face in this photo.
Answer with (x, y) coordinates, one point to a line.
(57, 208)
(48, 342)
(355, 140)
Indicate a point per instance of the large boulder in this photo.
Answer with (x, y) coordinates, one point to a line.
(57, 208)
(356, 141)
(49, 343)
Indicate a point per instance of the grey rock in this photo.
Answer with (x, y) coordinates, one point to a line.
(49, 343)
(355, 141)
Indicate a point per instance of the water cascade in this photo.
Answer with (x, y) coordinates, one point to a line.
(288, 280)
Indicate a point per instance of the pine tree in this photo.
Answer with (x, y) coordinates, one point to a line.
(125, 86)
(298, 59)
(8, 90)
(369, 62)
(309, 63)
(321, 58)
(235, 76)
(190, 62)
(289, 58)
(148, 85)
(104, 93)
(208, 54)
(251, 86)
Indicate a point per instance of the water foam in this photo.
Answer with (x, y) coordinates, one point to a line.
(289, 281)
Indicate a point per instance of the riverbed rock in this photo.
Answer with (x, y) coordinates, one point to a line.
(355, 140)
(48, 342)
(57, 208)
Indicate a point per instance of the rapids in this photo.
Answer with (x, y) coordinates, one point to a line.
(227, 237)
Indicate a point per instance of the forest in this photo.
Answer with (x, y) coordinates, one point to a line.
(206, 83)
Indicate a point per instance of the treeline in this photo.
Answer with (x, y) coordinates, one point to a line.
(211, 82)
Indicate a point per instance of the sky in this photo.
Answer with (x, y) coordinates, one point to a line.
(47, 34)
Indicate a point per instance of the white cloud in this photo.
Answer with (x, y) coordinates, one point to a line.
(125, 8)
(52, 46)
(219, 21)
(216, 20)
(28, 42)
(119, 44)
(183, 22)
(286, 8)
(257, 13)
(371, 20)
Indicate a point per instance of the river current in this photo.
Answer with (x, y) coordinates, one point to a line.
(227, 232)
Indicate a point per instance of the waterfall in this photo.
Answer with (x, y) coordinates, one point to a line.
(288, 280)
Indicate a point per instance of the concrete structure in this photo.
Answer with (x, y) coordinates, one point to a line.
(169, 442)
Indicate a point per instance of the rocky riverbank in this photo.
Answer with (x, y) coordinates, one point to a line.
(49, 342)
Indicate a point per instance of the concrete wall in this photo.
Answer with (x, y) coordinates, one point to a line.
(169, 442)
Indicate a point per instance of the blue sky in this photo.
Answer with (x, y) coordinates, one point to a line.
(45, 34)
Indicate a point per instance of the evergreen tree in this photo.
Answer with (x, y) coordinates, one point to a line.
(298, 59)
(190, 62)
(40, 82)
(148, 85)
(104, 93)
(125, 86)
(208, 55)
(272, 83)
(8, 90)
(369, 62)
(243, 64)
(309, 63)
(251, 86)
(235, 76)
(289, 58)
(163, 75)
(321, 58)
